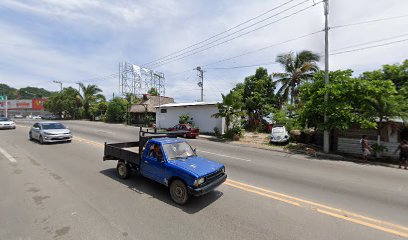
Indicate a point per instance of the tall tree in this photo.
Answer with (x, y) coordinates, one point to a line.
(298, 68)
(384, 103)
(64, 103)
(397, 73)
(367, 103)
(257, 96)
(89, 96)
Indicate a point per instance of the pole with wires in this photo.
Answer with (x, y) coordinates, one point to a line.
(201, 83)
(326, 143)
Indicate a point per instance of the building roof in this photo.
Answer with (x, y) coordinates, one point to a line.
(186, 104)
(149, 102)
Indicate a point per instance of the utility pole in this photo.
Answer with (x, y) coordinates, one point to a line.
(326, 134)
(160, 76)
(6, 106)
(201, 83)
(60, 83)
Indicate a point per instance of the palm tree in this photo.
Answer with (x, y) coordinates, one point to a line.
(230, 108)
(90, 95)
(298, 67)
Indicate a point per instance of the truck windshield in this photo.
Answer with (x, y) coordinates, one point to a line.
(178, 150)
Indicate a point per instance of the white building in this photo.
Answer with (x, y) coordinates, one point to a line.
(167, 115)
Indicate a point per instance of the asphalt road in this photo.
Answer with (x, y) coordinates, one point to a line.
(66, 191)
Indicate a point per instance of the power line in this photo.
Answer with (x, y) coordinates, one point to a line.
(218, 34)
(374, 46)
(368, 21)
(193, 52)
(366, 43)
(264, 48)
(245, 66)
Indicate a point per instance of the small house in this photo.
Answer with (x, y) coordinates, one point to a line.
(145, 110)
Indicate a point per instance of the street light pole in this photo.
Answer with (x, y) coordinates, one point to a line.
(326, 135)
(60, 83)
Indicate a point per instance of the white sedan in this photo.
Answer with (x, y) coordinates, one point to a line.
(48, 132)
(6, 123)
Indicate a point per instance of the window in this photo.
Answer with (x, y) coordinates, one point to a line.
(163, 110)
(53, 126)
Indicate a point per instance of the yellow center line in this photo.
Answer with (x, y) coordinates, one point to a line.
(324, 209)
(321, 205)
(321, 208)
(388, 230)
(263, 194)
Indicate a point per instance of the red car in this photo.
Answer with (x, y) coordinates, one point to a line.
(190, 131)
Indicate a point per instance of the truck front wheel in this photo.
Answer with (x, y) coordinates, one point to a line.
(122, 170)
(178, 192)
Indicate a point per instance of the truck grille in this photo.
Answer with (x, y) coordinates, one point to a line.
(213, 176)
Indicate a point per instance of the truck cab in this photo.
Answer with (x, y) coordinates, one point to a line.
(172, 162)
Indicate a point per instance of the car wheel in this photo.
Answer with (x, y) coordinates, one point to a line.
(123, 170)
(178, 192)
(30, 136)
(41, 140)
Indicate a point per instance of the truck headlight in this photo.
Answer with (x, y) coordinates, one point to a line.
(199, 181)
(223, 169)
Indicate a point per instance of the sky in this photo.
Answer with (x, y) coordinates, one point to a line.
(85, 40)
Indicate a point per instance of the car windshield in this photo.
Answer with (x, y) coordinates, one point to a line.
(4, 119)
(53, 126)
(277, 130)
(180, 150)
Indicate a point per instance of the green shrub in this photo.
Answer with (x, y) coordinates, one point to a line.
(184, 118)
(234, 133)
(116, 111)
(217, 132)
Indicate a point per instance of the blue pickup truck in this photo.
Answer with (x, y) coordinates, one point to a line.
(168, 160)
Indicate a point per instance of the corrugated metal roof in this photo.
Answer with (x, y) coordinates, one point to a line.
(187, 104)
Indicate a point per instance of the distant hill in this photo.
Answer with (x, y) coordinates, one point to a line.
(23, 93)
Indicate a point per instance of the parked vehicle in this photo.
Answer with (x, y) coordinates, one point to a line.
(47, 132)
(185, 130)
(6, 123)
(170, 161)
(36, 117)
(49, 117)
(279, 134)
(18, 116)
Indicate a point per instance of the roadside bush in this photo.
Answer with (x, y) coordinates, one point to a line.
(217, 132)
(149, 119)
(234, 133)
(184, 118)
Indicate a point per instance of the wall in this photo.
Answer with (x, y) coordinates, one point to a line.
(351, 145)
(201, 117)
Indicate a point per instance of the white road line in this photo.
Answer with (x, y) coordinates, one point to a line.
(222, 155)
(7, 155)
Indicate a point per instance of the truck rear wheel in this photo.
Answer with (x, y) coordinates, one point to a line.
(123, 170)
(178, 192)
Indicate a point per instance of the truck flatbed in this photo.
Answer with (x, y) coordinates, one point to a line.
(125, 151)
